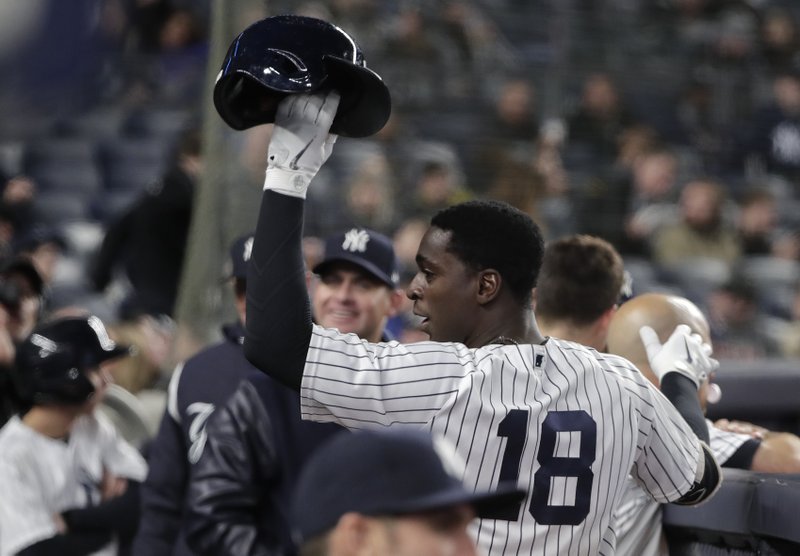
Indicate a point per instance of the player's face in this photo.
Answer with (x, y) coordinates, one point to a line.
(350, 299)
(443, 290)
(440, 533)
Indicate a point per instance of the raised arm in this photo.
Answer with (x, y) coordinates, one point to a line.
(278, 308)
(681, 364)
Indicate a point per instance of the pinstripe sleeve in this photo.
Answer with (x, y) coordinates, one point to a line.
(669, 454)
(359, 384)
(724, 444)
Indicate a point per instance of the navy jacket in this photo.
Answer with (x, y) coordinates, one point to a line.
(203, 383)
(241, 487)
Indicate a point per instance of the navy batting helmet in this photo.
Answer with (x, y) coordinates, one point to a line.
(51, 364)
(287, 54)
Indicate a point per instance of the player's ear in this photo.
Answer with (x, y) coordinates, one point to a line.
(396, 299)
(489, 282)
(350, 534)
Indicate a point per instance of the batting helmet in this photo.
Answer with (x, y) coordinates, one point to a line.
(287, 54)
(51, 364)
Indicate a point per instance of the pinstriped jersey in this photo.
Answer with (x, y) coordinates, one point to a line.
(562, 421)
(42, 476)
(637, 520)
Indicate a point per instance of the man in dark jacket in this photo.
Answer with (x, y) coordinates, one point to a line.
(200, 384)
(149, 240)
(240, 489)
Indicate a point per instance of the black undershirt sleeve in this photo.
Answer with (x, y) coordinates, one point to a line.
(742, 458)
(119, 515)
(681, 391)
(74, 543)
(278, 329)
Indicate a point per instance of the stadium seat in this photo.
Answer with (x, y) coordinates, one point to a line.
(133, 162)
(776, 281)
(61, 207)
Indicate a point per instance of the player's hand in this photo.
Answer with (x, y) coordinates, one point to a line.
(301, 141)
(683, 353)
(112, 486)
(741, 427)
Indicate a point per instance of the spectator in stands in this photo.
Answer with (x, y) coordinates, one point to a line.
(757, 222)
(437, 186)
(44, 245)
(17, 202)
(780, 42)
(739, 330)
(772, 137)
(701, 230)
(148, 241)
(600, 118)
(514, 122)
(24, 290)
(627, 211)
(179, 69)
(370, 196)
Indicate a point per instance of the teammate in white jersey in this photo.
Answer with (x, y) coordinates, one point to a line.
(68, 482)
(563, 422)
(637, 520)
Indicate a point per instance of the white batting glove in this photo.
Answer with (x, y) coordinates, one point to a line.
(301, 141)
(683, 353)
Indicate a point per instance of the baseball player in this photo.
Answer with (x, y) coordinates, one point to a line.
(197, 387)
(564, 423)
(68, 482)
(637, 520)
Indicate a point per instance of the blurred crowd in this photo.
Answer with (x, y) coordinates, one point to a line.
(670, 128)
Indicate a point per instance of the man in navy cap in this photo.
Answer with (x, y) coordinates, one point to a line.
(238, 499)
(390, 492)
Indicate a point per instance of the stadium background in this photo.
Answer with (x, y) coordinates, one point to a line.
(551, 105)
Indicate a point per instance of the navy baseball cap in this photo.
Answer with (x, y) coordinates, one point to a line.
(239, 252)
(368, 249)
(383, 473)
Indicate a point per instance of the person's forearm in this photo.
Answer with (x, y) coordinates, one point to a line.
(119, 515)
(278, 309)
(73, 543)
(682, 392)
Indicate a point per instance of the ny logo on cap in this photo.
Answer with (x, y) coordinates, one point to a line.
(355, 240)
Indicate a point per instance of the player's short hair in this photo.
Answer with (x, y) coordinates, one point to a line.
(493, 234)
(581, 278)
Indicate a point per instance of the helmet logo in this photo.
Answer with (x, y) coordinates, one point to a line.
(46, 346)
(292, 57)
(102, 336)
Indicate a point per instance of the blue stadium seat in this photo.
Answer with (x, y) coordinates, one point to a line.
(133, 162)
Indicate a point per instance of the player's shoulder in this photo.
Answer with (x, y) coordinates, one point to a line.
(16, 441)
(614, 366)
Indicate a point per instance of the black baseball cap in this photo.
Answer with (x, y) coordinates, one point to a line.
(386, 472)
(368, 249)
(239, 253)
